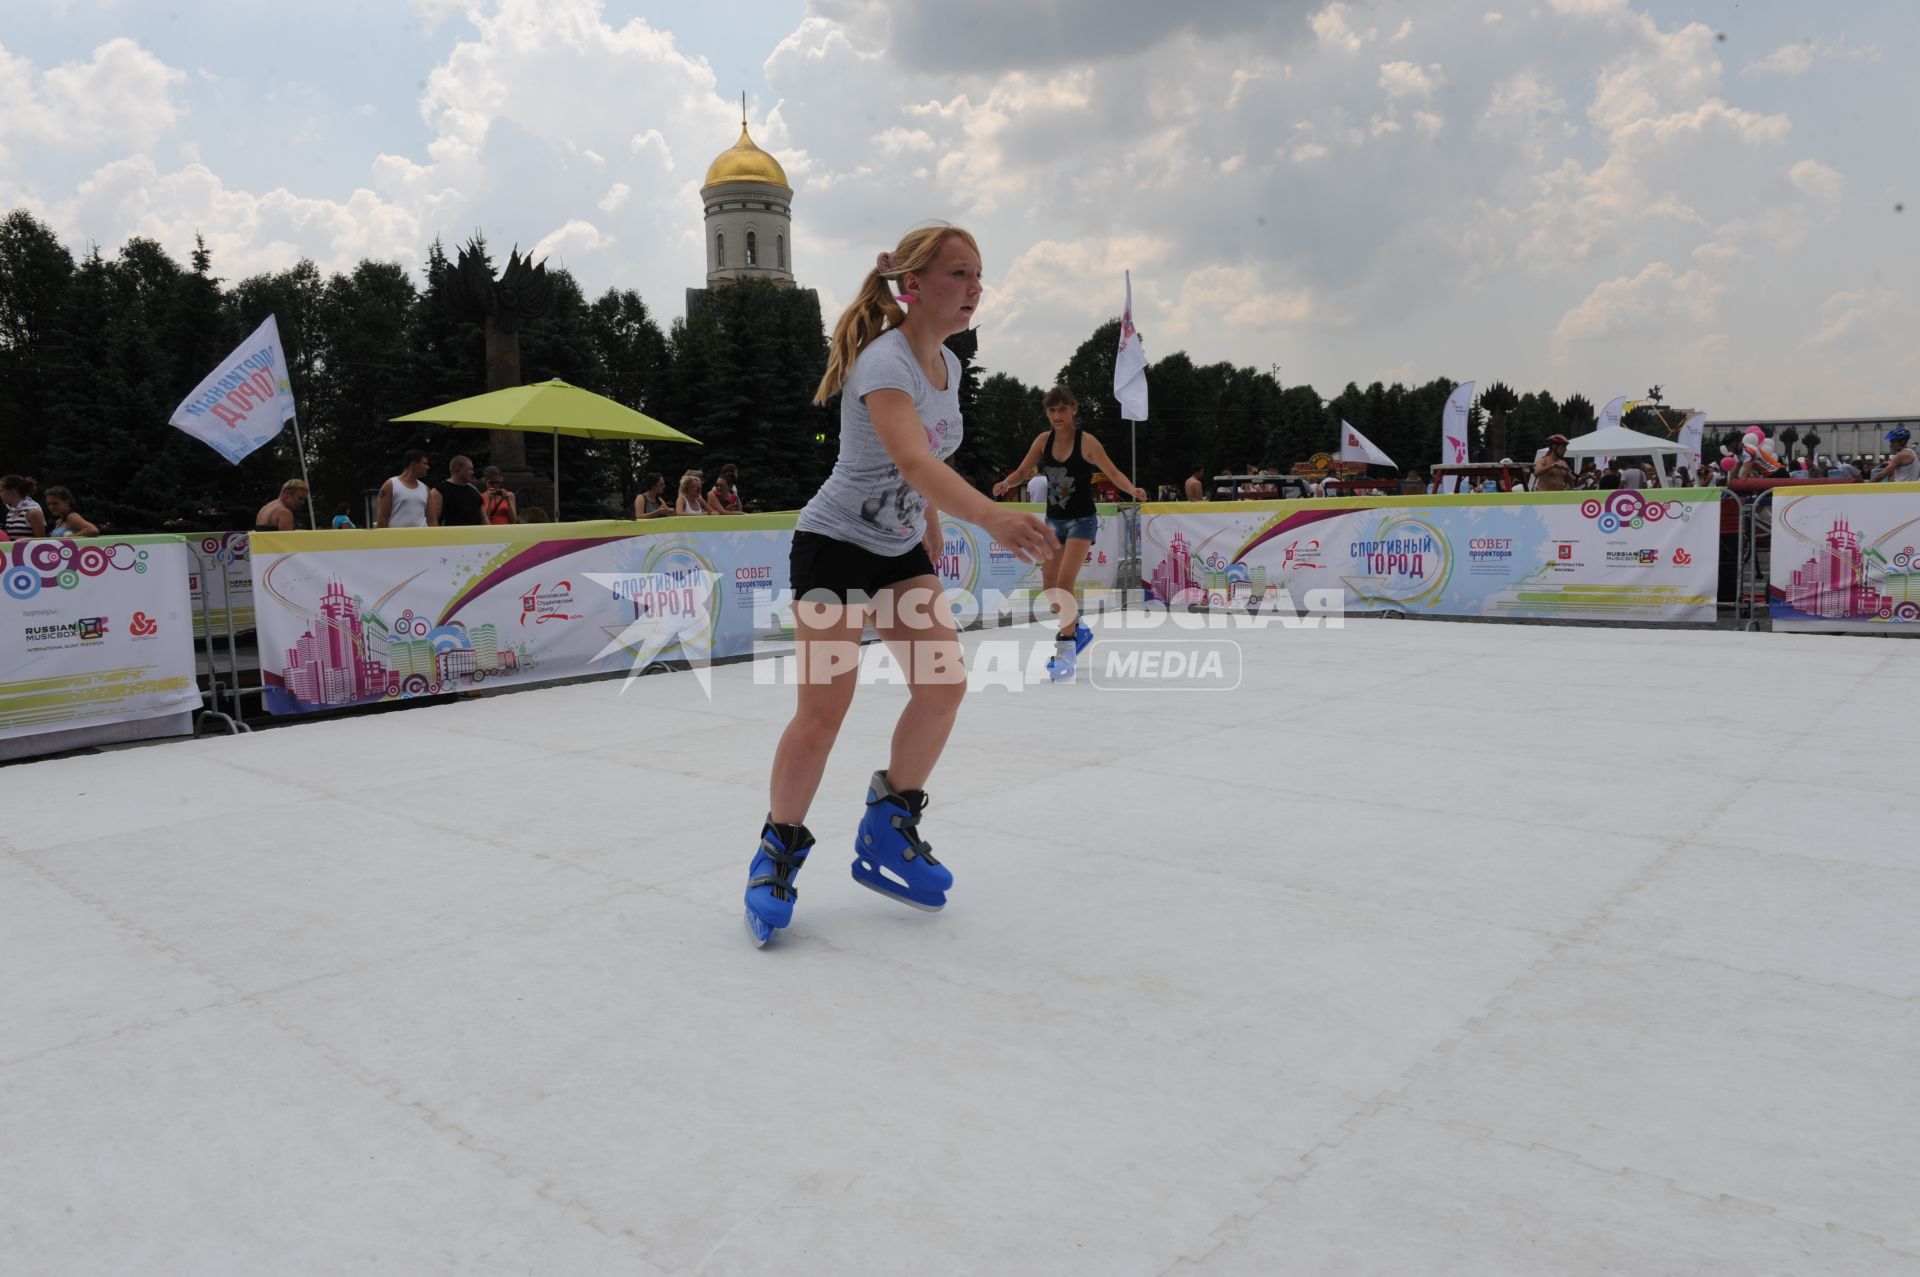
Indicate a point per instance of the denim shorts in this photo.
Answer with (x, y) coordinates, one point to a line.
(1081, 529)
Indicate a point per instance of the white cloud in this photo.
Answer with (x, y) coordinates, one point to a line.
(1428, 124)
(1810, 177)
(247, 233)
(1330, 24)
(1405, 80)
(616, 195)
(1490, 17)
(575, 237)
(897, 141)
(652, 143)
(1233, 295)
(1797, 59)
(1844, 312)
(1524, 110)
(1788, 59)
(1645, 303)
(123, 95)
(1651, 178)
(433, 12)
(1714, 251)
(1664, 73)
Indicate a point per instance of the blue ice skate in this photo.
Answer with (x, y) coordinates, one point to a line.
(888, 856)
(1060, 665)
(770, 889)
(1082, 636)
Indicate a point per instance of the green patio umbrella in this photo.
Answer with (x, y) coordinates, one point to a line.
(552, 407)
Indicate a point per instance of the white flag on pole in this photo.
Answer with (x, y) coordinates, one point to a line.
(1454, 421)
(1611, 414)
(1355, 446)
(1692, 434)
(1130, 365)
(243, 403)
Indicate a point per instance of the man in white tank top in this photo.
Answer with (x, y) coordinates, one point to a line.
(406, 500)
(1903, 464)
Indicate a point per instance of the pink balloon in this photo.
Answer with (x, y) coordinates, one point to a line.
(1726, 463)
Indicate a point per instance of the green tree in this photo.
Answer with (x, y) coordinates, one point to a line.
(1005, 420)
(1536, 418)
(634, 359)
(35, 272)
(364, 377)
(1499, 403)
(1577, 416)
(745, 365)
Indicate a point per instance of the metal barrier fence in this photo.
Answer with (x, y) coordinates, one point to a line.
(1752, 608)
(216, 689)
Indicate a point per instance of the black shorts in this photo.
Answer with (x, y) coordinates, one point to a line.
(842, 570)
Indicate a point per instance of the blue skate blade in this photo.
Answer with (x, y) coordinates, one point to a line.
(885, 887)
(758, 929)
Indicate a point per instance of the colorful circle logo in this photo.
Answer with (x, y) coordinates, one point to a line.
(959, 565)
(685, 565)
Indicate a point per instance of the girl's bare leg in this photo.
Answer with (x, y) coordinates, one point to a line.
(827, 652)
(918, 629)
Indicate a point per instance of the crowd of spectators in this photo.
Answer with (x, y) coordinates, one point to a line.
(26, 517)
(407, 500)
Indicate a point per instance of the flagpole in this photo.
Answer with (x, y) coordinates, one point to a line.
(301, 449)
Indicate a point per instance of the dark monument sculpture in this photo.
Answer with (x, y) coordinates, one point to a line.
(470, 292)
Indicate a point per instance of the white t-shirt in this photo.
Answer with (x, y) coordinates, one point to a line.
(864, 501)
(1037, 488)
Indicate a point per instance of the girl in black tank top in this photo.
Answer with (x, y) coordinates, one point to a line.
(1069, 481)
(1070, 513)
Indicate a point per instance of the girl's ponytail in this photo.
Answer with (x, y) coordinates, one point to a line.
(873, 311)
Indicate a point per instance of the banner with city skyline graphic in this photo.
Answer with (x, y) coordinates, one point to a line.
(1846, 559)
(1614, 556)
(355, 618)
(360, 617)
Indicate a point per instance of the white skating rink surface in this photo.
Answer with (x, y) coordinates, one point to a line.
(1433, 949)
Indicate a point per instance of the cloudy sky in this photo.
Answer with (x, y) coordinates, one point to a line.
(1582, 195)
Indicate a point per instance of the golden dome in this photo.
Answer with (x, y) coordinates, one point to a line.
(745, 162)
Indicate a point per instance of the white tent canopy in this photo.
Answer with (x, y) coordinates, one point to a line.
(1618, 441)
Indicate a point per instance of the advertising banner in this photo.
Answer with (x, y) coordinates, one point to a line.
(975, 562)
(98, 631)
(1846, 559)
(1603, 556)
(1456, 423)
(353, 618)
(218, 555)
